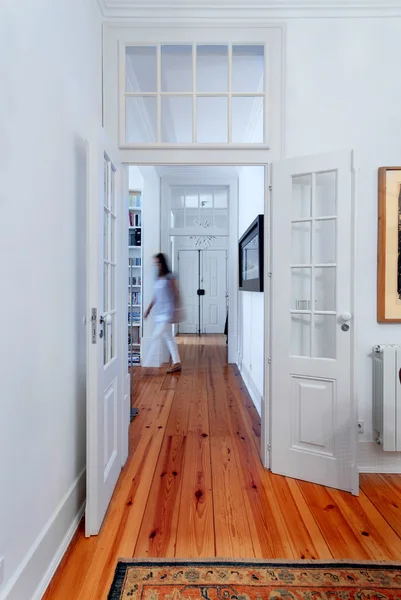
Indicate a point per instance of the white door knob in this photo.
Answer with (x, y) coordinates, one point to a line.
(346, 316)
(108, 319)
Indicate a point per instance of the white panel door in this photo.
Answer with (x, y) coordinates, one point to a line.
(188, 270)
(105, 387)
(314, 424)
(214, 282)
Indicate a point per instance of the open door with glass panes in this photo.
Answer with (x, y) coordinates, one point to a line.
(313, 420)
(106, 434)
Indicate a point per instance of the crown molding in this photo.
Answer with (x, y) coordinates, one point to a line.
(240, 10)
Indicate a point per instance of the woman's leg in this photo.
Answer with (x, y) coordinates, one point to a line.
(157, 332)
(167, 334)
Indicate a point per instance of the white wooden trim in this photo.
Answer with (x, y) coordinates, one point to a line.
(153, 11)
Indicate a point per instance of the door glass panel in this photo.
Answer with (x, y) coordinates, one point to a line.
(212, 69)
(248, 68)
(326, 194)
(106, 181)
(176, 119)
(247, 120)
(113, 191)
(140, 69)
(325, 336)
(141, 119)
(212, 131)
(105, 344)
(325, 288)
(221, 218)
(112, 332)
(221, 198)
(105, 287)
(112, 239)
(112, 287)
(301, 196)
(301, 289)
(178, 218)
(301, 243)
(325, 241)
(176, 68)
(300, 335)
(106, 235)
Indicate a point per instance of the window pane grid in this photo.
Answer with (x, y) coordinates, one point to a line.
(215, 56)
(313, 309)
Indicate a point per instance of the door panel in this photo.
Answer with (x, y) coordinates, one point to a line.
(188, 269)
(313, 420)
(214, 302)
(105, 386)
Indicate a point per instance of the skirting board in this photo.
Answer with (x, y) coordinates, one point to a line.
(38, 567)
(373, 459)
(252, 389)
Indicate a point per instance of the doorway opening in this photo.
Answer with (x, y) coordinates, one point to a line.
(196, 215)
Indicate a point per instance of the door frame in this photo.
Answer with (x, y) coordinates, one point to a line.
(216, 157)
(232, 247)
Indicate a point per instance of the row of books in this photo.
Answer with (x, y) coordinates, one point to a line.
(136, 298)
(134, 318)
(135, 262)
(135, 281)
(135, 237)
(135, 219)
(135, 201)
(134, 358)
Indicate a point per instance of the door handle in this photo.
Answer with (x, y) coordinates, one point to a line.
(346, 317)
(106, 320)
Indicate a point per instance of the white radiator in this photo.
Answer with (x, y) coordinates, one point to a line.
(387, 396)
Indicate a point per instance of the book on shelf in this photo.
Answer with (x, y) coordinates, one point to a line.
(136, 298)
(135, 281)
(135, 237)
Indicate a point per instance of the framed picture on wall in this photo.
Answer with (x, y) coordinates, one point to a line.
(250, 248)
(389, 246)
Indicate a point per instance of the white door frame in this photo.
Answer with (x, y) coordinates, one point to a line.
(225, 157)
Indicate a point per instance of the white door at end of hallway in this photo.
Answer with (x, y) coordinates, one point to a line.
(313, 416)
(214, 282)
(107, 416)
(188, 273)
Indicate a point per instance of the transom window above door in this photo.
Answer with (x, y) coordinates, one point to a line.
(193, 94)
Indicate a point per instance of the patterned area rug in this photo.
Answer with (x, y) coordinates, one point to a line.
(255, 580)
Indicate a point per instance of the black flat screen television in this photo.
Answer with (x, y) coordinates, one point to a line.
(250, 248)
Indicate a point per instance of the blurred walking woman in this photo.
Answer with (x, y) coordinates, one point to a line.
(166, 302)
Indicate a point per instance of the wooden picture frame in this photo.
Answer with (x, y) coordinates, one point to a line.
(255, 234)
(389, 246)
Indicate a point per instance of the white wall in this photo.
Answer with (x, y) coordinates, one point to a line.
(50, 72)
(343, 92)
(147, 181)
(251, 194)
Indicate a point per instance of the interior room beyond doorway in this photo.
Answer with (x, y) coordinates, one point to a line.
(196, 215)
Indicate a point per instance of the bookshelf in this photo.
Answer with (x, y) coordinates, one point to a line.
(135, 278)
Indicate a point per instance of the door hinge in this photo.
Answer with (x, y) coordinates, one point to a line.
(270, 187)
(94, 324)
(269, 274)
(269, 447)
(269, 360)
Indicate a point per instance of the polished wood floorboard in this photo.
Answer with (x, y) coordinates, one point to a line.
(194, 486)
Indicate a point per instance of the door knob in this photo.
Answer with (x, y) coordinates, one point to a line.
(346, 316)
(105, 320)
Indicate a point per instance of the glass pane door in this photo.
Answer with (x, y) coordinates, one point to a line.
(314, 265)
(109, 262)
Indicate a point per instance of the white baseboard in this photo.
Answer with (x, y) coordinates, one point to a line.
(34, 574)
(373, 459)
(252, 389)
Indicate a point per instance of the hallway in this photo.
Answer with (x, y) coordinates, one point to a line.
(194, 486)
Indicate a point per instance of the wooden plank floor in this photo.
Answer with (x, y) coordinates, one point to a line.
(194, 486)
